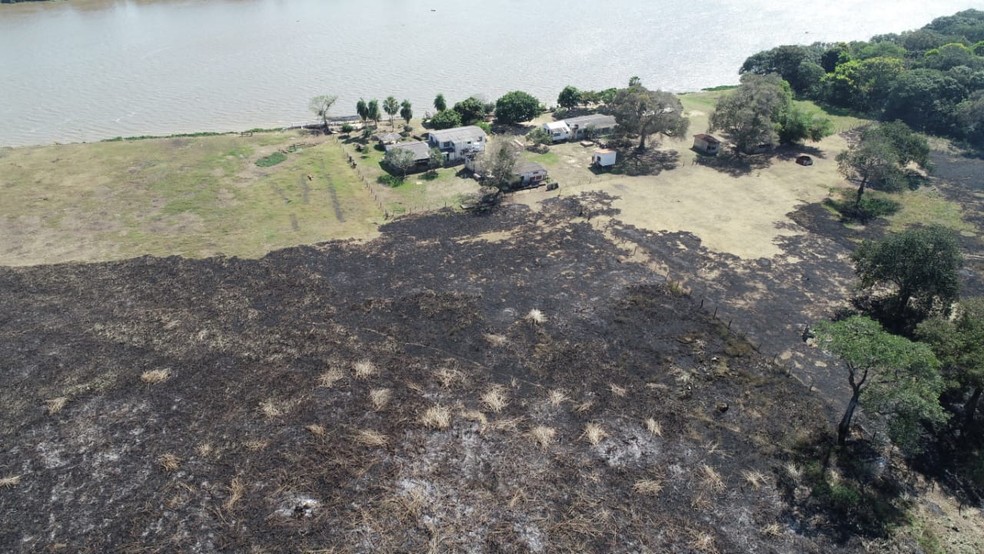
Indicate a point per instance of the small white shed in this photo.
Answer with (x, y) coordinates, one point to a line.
(603, 158)
(558, 130)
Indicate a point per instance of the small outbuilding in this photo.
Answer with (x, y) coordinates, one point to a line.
(707, 144)
(530, 173)
(603, 158)
(804, 160)
(387, 138)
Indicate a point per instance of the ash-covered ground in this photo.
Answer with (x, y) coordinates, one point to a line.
(507, 383)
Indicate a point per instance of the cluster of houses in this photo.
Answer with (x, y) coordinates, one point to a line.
(467, 143)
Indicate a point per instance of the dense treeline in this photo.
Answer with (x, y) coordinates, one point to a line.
(931, 78)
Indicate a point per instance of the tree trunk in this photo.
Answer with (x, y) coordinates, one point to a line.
(970, 408)
(857, 202)
(845, 424)
(642, 141)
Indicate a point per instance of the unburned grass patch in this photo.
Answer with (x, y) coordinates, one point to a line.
(272, 159)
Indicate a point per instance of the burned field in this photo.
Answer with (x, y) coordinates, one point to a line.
(506, 383)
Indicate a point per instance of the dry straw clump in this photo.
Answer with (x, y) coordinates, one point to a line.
(56, 405)
(536, 317)
(477, 417)
(617, 390)
(10, 481)
(236, 491)
(594, 433)
(330, 377)
(169, 462)
(155, 376)
(380, 398)
(369, 437)
(448, 377)
(496, 340)
(270, 408)
(755, 478)
(495, 399)
(654, 427)
(316, 430)
(711, 478)
(651, 487)
(703, 542)
(556, 398)
(364, 369)
(543, 436)
(436, 417)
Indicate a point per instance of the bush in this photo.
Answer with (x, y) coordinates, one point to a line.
(871, 207)
(445, 120)
(271, 160)
(347, 128)
(484, 126)
(516, 107)
(390, 180)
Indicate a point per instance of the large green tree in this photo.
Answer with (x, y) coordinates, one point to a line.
(391, 106)
(445, 120)
(406, 111)
(644, 112)
(786, 61)
(569, 98)
(471, 110)
(399, 160)
(752, 114)
(515, 107)
(440, 104)
(959, 345)
(880, 157)
(890, 376)
(320, 106)
(798, 124)
(372, 112)
(925, 99)
(920, 265)
(362, 108)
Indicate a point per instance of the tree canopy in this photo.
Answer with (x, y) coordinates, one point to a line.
(751, 114)
(569, 98)
(880, 156)
(399, 160)
(471, 110)
(445, 120)
(920, 265)
(515, 107)
(406, 111)
(391, 106)
(440, 104)
(643, 112)
(959, 344)
(890, 377)
(320, 106)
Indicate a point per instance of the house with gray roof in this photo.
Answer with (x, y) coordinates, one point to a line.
(420, 151)
(574, 128)
(458, 143)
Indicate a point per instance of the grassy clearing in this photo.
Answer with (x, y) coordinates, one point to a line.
(196, 197)
(271, 160)
(927, 206)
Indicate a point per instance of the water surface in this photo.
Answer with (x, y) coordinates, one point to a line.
(84, 70)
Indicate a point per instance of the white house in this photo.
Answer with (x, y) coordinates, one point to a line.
(577, 127)
(603, 158)
(458, 143)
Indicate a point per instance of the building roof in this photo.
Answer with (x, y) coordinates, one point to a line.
(524, 167)
(555, 125)
(604, 151)
(593, 120)
(707, 138)
(387, 137)
(420, 150)
(459, 134)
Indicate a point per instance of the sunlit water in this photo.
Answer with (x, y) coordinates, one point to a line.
(88, 70)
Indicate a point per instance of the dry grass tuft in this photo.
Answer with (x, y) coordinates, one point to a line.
(556, 398)
(594, 433)
(711, 478)
(772, 530)
(617, 390)
(169, 462)
(236, 490)
(651, 487)
(449, 377)
(794, 471)
(703, 542)
(364, 369)
(496, 340)
(380, 398)
(506, 424)
(369, 437)
(495, 399)
(543, 436)
(755, 478)
(436, 417)
(654, 427)
(584, 406)
(330, 377)
(56, 405)
(255, 445)
(9, 482)
(316, 430)
(270, 409)
(205, 449)
(476, 416)
(155, 376)
(536, 317)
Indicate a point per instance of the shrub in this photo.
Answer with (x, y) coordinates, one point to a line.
(870, 208)
(445, 120)
(347, 128)
(271, 160)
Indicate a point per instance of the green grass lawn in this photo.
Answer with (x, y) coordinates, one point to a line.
(194, 196)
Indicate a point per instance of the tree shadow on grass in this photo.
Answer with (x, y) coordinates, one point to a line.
(635, 162)
(844, 492)
(735, 166)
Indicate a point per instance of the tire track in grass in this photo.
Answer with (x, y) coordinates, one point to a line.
(333, 195)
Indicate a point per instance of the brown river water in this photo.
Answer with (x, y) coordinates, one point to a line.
(84, 70)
